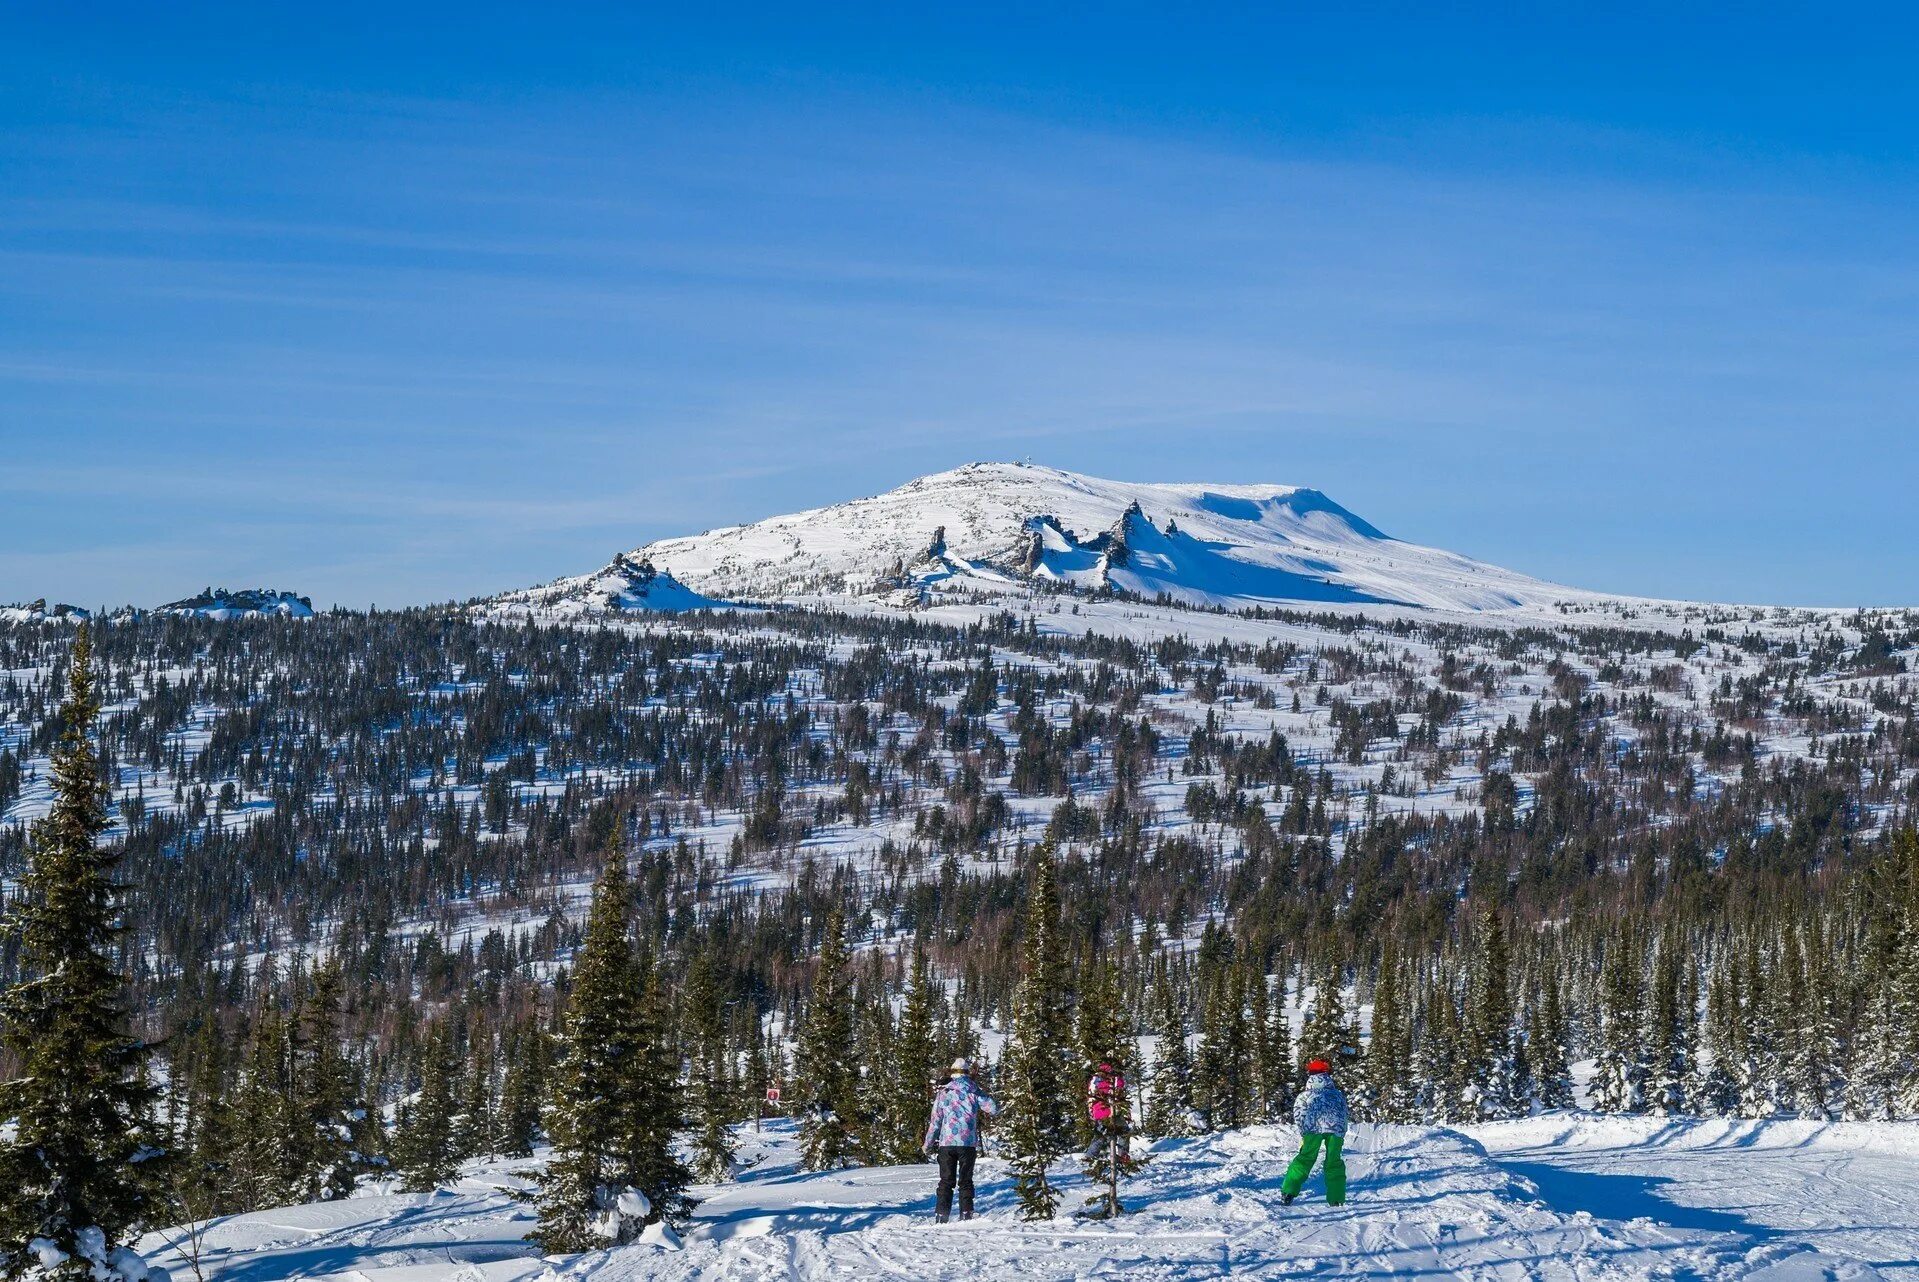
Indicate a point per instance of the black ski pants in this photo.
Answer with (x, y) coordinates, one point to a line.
(956, 1171)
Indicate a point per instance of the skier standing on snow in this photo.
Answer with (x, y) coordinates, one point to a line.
(952, 1133)
(1102, 1095)
(1320, 1114)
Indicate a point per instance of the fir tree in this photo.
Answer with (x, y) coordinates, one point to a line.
(1106, 1037)
(1548, 1044)
(1620, 1073)
(267, 1146)
(1809, 1042)
(1222, 1070)
(612, 1169)
(1169, 1100)
(1489, 1033)
(1272, 1053)
(1873, 1079)
(1715, 1089)
(827, 1067)
(75, 1157)
(658, 1105)
(1033, 1075)
(425, 1144)
(1389, 1062)
(915, 1061)
(335, 1118)
(475, 1130)
(526, 1072)
(709, 1095)
(1668, 1034)
(1760, 1088)
(1327, 1033)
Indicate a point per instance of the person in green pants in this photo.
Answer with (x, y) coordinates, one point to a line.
(1320, 1113)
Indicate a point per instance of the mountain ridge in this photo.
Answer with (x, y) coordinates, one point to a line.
(1011, 528)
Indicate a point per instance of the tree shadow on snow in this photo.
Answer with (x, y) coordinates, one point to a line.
(1627, 1197)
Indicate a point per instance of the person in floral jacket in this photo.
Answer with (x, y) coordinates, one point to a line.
(952, 1135)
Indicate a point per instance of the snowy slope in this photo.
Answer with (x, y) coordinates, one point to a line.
(1007, 527)
(220, 603)
(1425, 1202)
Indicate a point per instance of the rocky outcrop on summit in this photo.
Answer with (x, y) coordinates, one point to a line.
(38, 611)
(220, 603)
(631, 582)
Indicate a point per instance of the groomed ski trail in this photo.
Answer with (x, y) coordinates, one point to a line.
(1425, 1203)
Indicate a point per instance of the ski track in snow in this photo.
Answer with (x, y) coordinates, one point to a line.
(1565, 1197)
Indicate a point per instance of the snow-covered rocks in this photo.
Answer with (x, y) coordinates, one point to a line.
(631, 583)
(221, 603)
(39, 611)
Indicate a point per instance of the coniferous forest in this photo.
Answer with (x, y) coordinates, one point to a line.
(299, 903)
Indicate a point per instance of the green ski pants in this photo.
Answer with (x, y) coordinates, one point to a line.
(1302, 1166)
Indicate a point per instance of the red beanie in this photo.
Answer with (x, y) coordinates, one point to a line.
(1318, 1066)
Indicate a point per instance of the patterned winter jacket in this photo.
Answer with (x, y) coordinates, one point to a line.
(956, 1112)
(1321, 1107)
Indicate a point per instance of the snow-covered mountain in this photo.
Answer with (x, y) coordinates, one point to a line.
(1012, 527)
(220, 603)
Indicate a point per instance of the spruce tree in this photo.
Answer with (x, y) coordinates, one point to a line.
(1389, 1064)
(1106, 1037)
(1033, 1073)
(526, 1072)
(1326, 1033)
(1620, 1073)
(335, 1118)
(1548, 1043)
(269, 1124)
(915, 1062)
(75, 1161)
(1715, 1088)
(425, 1143)
(1490, 1053)
(707, 1075)
(827, 1066)
(612, 1170)
(1169, 1098)
(1668, 1034)
(1761, 1092)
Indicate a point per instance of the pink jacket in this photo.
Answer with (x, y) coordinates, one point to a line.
(1101, 1092)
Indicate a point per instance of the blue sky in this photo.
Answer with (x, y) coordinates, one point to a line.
(397, 308)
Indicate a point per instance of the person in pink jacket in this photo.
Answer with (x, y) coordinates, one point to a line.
(1103, 1094)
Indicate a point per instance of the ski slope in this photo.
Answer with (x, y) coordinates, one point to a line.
(1558, 1198)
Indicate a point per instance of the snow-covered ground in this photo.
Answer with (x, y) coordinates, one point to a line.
(1563, 1197)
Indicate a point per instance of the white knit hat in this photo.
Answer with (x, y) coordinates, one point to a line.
(962, 1065)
